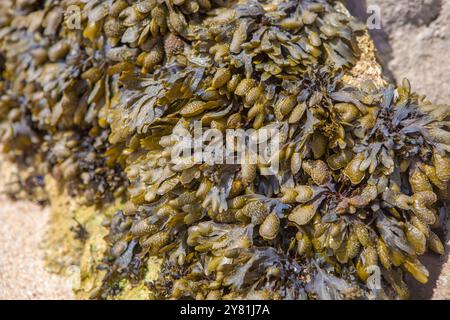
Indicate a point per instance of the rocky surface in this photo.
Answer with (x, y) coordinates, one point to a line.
(413, 42)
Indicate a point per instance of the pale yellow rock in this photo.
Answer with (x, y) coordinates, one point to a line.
(68, 255)
(367, 68)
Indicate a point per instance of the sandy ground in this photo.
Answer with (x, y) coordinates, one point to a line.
(22, 272)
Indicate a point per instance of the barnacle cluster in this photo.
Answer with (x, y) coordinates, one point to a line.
(363, 171)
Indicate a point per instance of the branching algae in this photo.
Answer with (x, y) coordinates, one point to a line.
(363, 171)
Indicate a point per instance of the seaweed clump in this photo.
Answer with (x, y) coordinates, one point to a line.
(363, 171)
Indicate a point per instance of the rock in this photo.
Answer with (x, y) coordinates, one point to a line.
(413, 42)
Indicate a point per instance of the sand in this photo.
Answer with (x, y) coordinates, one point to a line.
(22, 272)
